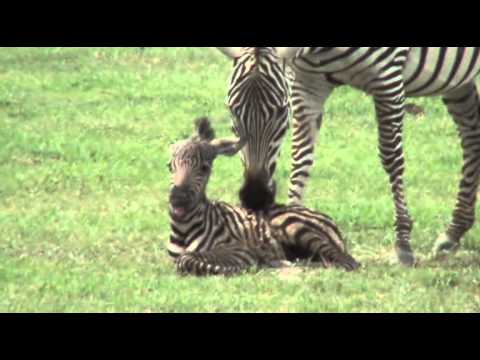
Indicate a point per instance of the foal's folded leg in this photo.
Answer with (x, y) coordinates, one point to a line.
(218, 261)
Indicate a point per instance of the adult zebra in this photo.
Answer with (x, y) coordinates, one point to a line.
(257, 98)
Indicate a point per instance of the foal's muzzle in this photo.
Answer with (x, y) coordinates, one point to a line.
(181, 200)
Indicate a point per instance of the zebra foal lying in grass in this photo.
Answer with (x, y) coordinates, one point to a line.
(209, 238)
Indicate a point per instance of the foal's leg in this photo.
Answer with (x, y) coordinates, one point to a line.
(219, 261)
(310, 235)
(229, 260)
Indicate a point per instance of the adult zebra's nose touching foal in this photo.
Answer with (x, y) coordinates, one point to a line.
(210, 237)
(258, 97)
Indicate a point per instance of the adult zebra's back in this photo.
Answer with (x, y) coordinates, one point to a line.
(389, 75)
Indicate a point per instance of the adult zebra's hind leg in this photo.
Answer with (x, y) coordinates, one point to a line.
(464, 106)
(390, 112)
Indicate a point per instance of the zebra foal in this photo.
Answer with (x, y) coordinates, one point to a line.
(211, 238)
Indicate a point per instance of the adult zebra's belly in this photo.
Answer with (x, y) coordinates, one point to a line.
(438, 70)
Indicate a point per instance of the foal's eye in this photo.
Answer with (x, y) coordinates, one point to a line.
(169, 167)
(205, 168)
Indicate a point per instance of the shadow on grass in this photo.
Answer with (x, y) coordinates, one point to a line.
(460, 260)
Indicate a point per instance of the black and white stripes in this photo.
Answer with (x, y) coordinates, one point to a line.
(210, 238)
(389, 75)
(259, 76)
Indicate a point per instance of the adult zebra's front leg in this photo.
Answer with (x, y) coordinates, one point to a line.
(464, 106)
(308, 99)
(390, 112)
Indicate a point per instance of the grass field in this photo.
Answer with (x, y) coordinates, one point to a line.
(84, 140)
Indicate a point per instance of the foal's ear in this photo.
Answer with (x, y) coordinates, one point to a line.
(204, 129)
(228, 147)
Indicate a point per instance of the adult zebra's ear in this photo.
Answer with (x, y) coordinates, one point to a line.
(231, 52)
(228, 147)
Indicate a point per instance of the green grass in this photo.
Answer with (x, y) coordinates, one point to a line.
(84, 139)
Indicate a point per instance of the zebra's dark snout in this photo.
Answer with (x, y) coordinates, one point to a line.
(180, 197)
(255, 193)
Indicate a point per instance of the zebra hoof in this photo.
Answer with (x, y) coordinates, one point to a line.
(445, 245)
(405, 254)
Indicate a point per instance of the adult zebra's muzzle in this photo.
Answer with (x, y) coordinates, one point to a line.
(258, 191)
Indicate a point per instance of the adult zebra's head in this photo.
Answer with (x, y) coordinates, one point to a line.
(258, 101)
